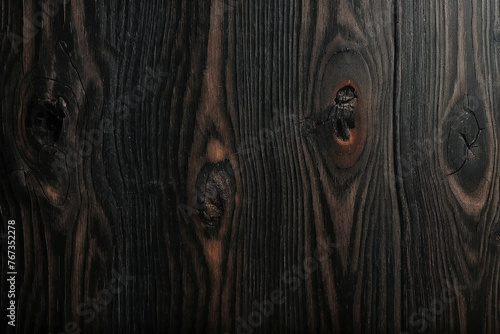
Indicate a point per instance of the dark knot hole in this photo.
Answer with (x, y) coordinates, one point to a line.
(343, 112)
(45, 120)
(215, 186)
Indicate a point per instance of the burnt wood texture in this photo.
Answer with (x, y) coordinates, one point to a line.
(233, 166)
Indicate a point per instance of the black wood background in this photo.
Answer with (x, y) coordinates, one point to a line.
(243, 166)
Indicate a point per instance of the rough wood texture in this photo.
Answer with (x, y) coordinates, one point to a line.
(251, 166)
(448, 160)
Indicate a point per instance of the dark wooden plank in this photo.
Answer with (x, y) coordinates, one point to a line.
(81, 165)
(270, 108)
(341, 190)
(62, 230)
(448, 161)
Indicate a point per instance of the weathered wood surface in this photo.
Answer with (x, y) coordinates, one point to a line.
(234, 166)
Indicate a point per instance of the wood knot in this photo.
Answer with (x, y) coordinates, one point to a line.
(44, 121)
(466, 144)
(342, 112)
(215, 187)
(339, 124)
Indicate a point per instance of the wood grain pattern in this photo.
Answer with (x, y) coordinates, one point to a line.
(447, 102)
(64, 232)
(231, 166)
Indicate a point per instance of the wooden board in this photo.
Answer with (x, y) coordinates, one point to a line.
(229, 166)
(447, 125)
